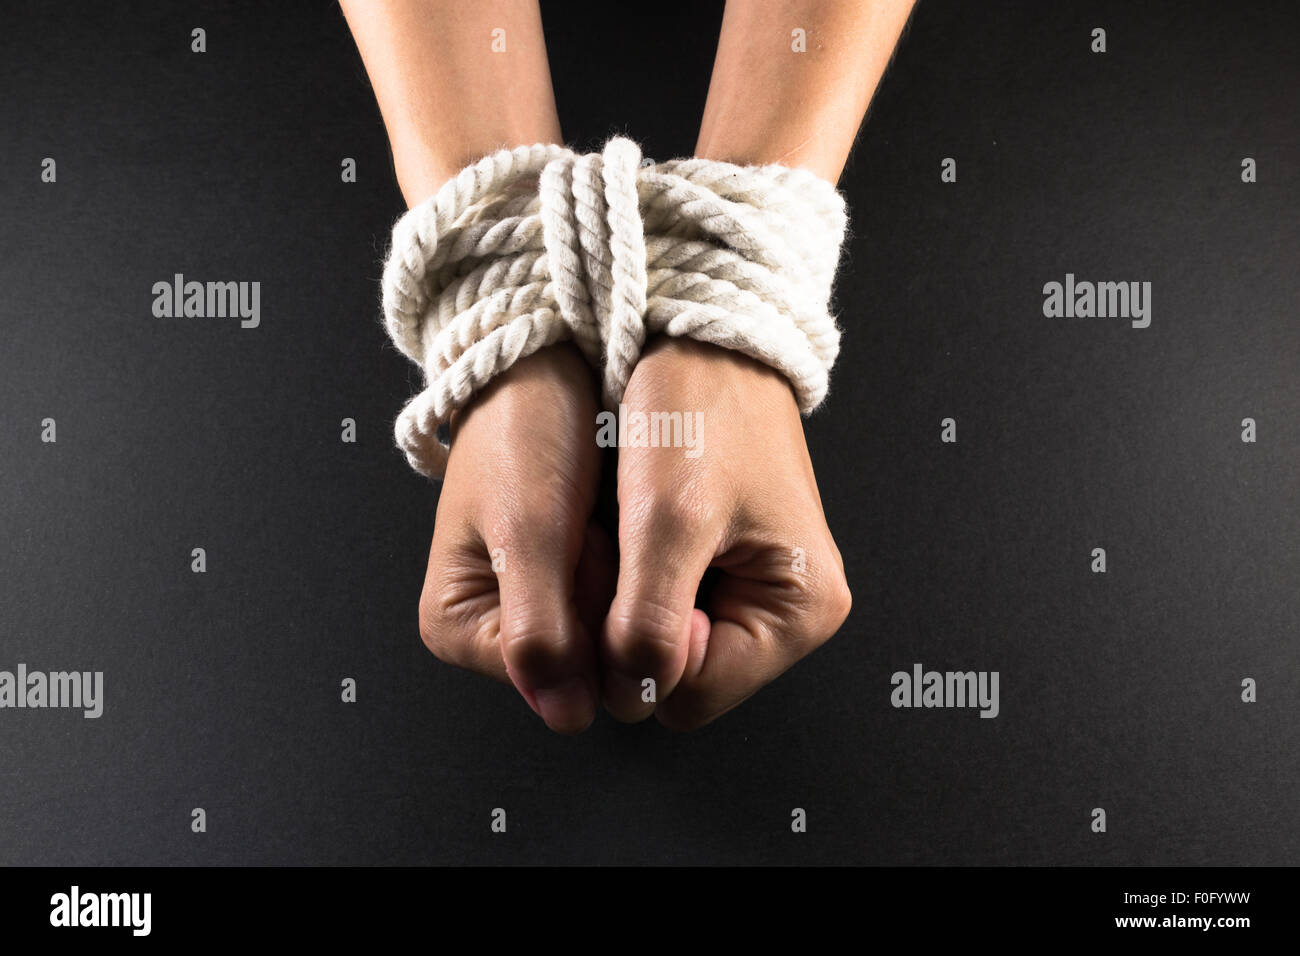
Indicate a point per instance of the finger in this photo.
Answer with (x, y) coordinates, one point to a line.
(759, 629)
(734, 663)
(548, 652)
(459, 608)
(664, 552)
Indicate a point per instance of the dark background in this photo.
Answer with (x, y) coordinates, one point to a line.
(1119, 691)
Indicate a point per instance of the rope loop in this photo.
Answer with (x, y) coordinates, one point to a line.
(539, 244)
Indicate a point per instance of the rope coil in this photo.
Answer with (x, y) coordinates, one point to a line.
(537, 244)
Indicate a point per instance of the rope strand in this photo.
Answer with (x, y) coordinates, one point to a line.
(538, 244)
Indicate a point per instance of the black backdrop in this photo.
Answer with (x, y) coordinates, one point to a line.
(1118, 690)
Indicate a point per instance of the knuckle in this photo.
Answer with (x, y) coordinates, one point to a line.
(534, 643)
(835, 596)
(435, 625)
(644, 636)
(833, 600)
(665, 515)
(448, 625)
(526, 528)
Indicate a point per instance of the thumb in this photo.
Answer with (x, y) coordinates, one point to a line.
(548, 652)
(647, 633)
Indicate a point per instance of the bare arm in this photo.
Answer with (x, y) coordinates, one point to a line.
(751, 502)
(505, 593)
(449, 88)
(770, 104)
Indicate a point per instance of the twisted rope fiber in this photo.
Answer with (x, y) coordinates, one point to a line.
(537, 244)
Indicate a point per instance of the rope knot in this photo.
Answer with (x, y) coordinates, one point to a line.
(537, 244)
(595, 250)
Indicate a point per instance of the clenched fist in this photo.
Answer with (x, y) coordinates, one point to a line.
(524, 586)
(747, 505)
(519, 578)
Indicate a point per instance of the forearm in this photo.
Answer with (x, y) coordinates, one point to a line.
(446, 96)
(768, 103)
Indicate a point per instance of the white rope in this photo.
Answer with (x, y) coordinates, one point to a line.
(537, 244)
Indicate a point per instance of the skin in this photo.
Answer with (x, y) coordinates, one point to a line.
(768, 104)
(446, 98)
(742, 507)
(566, 618)
(521, 485)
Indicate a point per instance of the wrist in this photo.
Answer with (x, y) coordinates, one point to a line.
(559, 369)
(701, 368)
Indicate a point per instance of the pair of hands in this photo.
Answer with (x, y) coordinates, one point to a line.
(525, 585)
